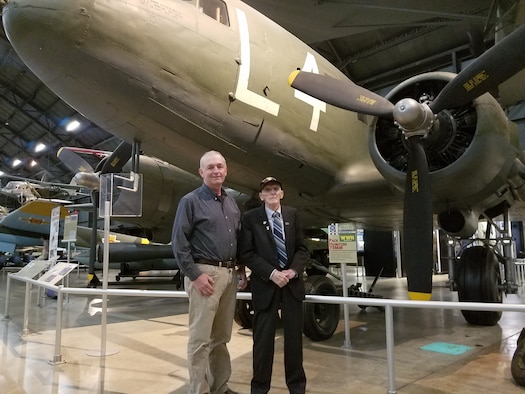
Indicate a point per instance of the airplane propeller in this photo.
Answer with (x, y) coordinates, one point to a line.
(416, 120)
(85, 174)
(117, 159)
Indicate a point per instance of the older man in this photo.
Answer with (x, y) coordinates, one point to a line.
(272, 245)
(204, 244)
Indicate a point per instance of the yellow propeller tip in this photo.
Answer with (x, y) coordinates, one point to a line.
(292, 76)
(417, 296)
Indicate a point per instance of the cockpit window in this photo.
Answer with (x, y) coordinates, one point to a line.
(215, 9)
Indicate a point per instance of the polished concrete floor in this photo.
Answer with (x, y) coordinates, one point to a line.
(145, 350)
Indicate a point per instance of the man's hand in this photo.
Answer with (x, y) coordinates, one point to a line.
(290, 274)
(204, 285)
(279, 278)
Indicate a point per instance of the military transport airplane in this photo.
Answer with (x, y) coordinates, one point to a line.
(163, 186)
(139, 242)
(179, 77)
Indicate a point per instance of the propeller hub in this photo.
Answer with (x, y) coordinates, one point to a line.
(413, 118)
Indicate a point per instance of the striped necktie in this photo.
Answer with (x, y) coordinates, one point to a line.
(279, 238)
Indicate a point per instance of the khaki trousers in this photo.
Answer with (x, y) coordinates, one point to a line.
(210, 329)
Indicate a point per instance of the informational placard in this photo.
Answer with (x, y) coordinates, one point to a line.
(70, 228)
(57, 272)
(32, 269)
(342, 243)
(54, 227)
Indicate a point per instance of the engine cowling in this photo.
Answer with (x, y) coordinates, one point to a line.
(473, 154)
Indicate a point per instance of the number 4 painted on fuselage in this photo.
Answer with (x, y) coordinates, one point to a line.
(245, 95)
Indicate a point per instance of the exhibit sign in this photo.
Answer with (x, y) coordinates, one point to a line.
(53, 233)
(57, 272)
(342, 243)
(70, 228)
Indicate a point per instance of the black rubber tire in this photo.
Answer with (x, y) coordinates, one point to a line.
(478, 279)
(320, 320)
(517, 366)
(244, 311)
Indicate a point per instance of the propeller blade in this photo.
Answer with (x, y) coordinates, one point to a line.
(73, 161)
(418, 223)
(489, 70)
(117, 159)
(342, 94)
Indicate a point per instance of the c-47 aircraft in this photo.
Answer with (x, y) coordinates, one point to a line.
(180, 77)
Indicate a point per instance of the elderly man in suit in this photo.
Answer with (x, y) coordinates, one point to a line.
(271, 244)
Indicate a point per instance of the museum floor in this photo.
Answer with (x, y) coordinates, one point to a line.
(436, 351)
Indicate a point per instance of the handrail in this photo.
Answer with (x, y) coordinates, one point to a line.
(388, 304)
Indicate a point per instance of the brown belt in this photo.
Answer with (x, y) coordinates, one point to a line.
(218, 263)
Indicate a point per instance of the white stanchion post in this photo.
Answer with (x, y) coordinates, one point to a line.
(347, 344)
(25, 329)
(7, 297)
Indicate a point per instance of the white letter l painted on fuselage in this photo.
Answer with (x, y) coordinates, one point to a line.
(241, 92)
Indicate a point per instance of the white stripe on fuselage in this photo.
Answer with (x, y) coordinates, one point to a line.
(242, 93)
(255, 100)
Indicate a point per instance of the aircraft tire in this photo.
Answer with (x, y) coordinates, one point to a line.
(478, 279)
(320, 320)
(244, 311)
(517, 366)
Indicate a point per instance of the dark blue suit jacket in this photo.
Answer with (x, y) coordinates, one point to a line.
(257, 250)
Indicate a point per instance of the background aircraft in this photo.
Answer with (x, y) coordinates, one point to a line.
(23, 191)
(164, 185)
(178, 78)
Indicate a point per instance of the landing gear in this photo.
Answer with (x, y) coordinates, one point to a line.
(478, 279)
(485, 268)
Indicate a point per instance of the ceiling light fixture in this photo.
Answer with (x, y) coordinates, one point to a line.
(40, 147)
(73, 125)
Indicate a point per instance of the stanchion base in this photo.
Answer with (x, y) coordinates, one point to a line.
(347, 345)
(56, 360)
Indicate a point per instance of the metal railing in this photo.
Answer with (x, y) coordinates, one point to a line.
(388, 304)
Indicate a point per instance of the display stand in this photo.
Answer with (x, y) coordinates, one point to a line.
(120, 195)
(31, 270)
(342, 248)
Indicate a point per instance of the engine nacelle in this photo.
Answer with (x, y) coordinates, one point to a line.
(473, 154)
(458, 223)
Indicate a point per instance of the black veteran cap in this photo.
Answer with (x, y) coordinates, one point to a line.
(268, 180)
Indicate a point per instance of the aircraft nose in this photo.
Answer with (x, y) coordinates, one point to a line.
(39, 29)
